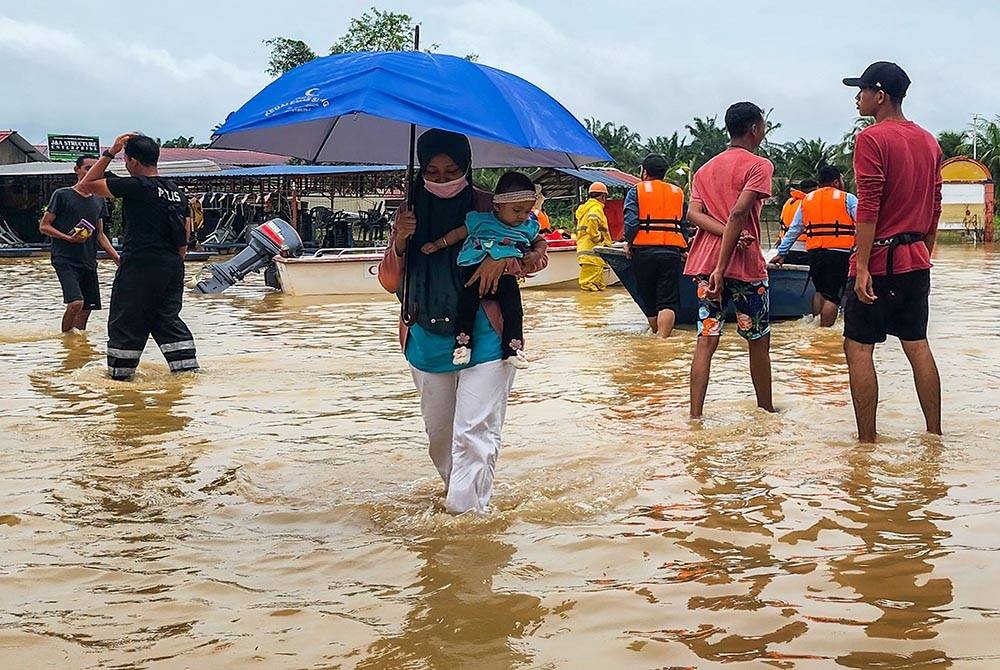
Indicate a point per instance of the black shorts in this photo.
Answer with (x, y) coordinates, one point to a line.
(829, 269)
(657, 273)
(79, 283)
(795, 257)
(900, 310)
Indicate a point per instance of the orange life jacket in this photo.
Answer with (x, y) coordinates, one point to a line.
(788, 212)
(828, 224)
(543, 220)
(661, 210)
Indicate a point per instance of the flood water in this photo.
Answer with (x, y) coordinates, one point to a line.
(279, 510)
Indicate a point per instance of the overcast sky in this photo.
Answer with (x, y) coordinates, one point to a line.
(179, 67)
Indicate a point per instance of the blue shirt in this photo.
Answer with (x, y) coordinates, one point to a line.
(798, 225)
(631, 214)
(489, 236)
(430, 352)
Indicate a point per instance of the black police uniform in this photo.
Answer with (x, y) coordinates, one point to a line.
(148, 289)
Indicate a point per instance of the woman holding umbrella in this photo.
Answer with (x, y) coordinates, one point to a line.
(463, 406)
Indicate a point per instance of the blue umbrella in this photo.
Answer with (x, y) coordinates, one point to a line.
(359, 108)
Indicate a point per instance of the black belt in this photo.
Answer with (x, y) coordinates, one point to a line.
(828, 230)
(660, 225)
(892, 243)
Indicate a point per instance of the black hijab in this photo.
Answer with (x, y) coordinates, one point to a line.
(435, 279)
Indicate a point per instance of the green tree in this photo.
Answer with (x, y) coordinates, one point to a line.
(707, 140)
(287, 54)
(804, 158)
(375, 30)
(622, 143)
(860, 123)
(183, 143)
(953, 143)
(675, 149)
(988, 147)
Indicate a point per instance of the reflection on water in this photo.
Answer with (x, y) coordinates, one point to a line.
(278, 510)
(457, 619)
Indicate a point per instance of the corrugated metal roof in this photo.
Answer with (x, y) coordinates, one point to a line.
(302, 170)
(565, 182)
(224, 158)
(171, 168)
(29, 150)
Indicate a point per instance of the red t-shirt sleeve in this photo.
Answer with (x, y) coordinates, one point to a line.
(869, 173)
(759, 176)
(695, 191)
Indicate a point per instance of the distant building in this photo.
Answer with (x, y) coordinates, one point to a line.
(967, 198)
(226, 159)
(14, 149)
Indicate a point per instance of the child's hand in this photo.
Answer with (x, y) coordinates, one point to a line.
(429, 248)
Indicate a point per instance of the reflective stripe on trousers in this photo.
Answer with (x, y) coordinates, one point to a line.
(463, 414)
(146, 299)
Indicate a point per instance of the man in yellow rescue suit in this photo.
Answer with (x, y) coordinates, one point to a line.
(827, 217)
(797, 254)
(592, 231)
(656, 236)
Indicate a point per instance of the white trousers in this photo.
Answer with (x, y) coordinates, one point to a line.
(463, 413)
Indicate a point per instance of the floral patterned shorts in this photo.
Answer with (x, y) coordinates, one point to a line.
(749, 299)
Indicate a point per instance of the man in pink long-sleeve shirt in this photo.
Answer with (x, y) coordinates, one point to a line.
(897, 165)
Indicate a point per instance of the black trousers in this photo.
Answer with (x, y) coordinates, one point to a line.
(146, 300)
(508, 294)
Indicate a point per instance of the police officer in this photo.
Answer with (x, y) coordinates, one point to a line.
(654, 230)
(148, 289)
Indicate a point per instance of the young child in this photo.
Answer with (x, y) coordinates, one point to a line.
(507, 232)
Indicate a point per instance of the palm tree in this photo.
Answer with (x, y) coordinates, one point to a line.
(953, 143)
(805, 157)
(988, 147)
(673, 148)
(860, 123)
(622, 143)
(707, 140)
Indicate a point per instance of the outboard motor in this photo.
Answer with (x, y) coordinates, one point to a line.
(273, 238)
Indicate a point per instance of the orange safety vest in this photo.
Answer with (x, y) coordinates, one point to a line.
(661, 210)
(828, 225)
(788, 212)
(543, 219)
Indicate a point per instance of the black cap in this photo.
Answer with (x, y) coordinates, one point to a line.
(883, 76)
(655, 164)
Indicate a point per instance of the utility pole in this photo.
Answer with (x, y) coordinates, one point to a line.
(975, 135)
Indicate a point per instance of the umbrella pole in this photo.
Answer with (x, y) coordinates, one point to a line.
(407, 316)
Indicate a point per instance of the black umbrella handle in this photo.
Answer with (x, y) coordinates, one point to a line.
(408, 312)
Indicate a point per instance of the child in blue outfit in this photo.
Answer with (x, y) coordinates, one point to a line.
(506, 232)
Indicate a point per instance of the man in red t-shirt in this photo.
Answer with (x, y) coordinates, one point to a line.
(897, 165)
(727, 194)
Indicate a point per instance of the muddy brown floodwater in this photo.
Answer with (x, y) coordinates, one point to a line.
(279, 510)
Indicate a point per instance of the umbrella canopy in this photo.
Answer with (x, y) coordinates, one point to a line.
(358, 108)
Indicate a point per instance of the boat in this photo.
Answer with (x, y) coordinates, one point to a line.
(791, 292)
(19, 252)
(190, 257)
(354, 271)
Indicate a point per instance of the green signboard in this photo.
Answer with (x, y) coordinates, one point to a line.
(71, 147)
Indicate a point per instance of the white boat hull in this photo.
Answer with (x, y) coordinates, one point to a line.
(355, 272)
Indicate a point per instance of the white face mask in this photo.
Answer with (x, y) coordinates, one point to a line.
(448, 189)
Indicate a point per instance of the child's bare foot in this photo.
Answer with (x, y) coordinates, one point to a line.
(519, 360)
(461, 356)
